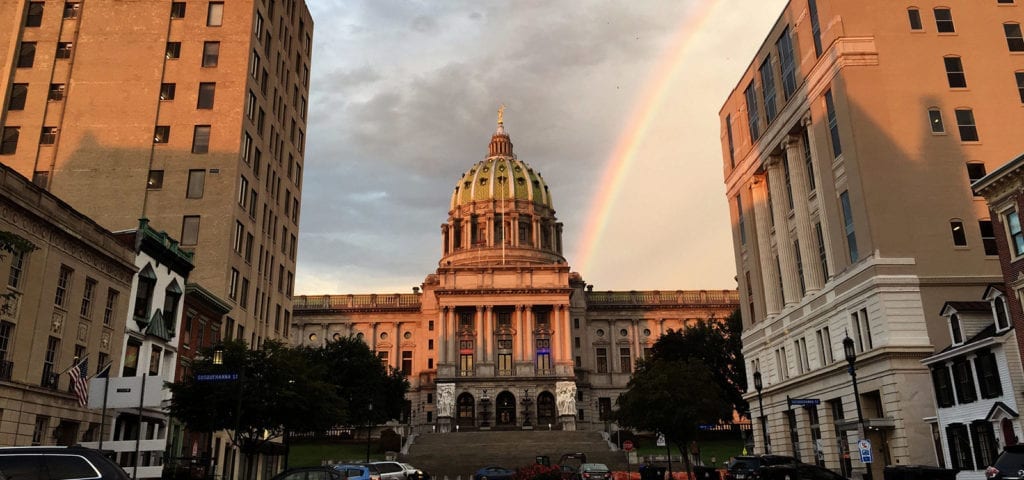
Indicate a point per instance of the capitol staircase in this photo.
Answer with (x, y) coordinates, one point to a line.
(462, 453)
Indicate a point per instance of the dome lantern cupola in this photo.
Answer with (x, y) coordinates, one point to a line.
(500, 143)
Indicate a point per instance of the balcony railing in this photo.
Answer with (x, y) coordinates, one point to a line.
(655, 297)
(398, 301)
(50, 379)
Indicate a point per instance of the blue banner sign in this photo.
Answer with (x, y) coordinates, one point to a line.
(804, 401)
(216, 377)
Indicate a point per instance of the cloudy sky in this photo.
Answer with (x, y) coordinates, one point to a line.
(615, 103)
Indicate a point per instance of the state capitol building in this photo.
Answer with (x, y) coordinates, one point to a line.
(503, 334)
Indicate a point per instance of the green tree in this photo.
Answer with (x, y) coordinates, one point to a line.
(360, 379)
(276, 390)
(673, 397)
(717, 344)
(12, 244)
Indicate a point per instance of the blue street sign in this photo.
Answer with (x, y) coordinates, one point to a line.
(216, 377)
(804, 401)
(865, 450)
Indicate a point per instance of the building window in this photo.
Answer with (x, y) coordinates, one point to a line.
(1002, 314)
(786, 61)
(935, 120)
(833, 124)
(800, 267)
(1019, 76)
(211, 53)
(822, 256)
(177, 10)
(988, 375)
(752, 112)
(9, 140)
(64, 49)
(944, 20)
(955, 72)
(144, 293)
(161, 134)
(155, 181)
(172, 296)
(35, 14)
(851, 235)
(959, 447)
(87, 296)
(943, 386)
(239, 235)
(71, 10)
(959, 236)
(794, 433)
(246, 148)
(602, 360)
(1016, 235)
(728, 134)
(56, 92)
(862, 330)
(167, 91)
(48, 136)
(108, 309)
(1014, 39)
(19, 92)
(914, 15)
(233, 285)
(965, 123)
(988, 237)
(963, 381)
(808, 161)
(625, 360)
(768, 90)
(407, 363)
(196, 184)
(985, 446)
(63, 285)
(824, 346)
(812, 9)
(17, 270)
(26, 54)
(173, 50)
(42, 426)
(190, 230)
(206, 93)
(215, 14)
(740, 221)
(543, 355)
(201, 139)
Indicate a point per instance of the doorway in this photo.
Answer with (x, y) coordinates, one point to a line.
(505, 409)
(546, 409)
(466, 410)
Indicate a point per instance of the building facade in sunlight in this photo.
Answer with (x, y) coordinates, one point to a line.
(849, 147)
(504, 334)
(189, 113)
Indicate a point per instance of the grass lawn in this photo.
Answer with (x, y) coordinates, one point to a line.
(313, 454)
(720, 450)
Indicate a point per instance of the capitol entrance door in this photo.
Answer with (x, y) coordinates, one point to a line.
(466, 408)
(506, 409)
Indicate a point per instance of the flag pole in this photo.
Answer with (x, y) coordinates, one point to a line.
(106, 388)
(75, 363)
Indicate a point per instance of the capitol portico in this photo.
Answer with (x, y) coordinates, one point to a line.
(504, 335)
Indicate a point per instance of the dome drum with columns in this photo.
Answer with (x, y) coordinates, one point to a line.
(503, 334)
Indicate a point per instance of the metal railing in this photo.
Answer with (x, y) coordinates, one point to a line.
(656, 297)
(337, 302)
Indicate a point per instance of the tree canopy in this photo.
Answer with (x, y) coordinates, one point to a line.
(280, 389)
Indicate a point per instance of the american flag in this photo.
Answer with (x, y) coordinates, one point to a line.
(80, 382)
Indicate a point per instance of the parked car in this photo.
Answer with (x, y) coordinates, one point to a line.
(570, 464)
(494, 473)
(353, 471)
(310, 473)
(413, 473)
(390, 470)
(796, 471)
(58, 462)
(594, 471)
(1009, 465)
(745, 467)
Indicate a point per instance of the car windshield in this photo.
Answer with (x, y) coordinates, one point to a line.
(1010, 461)
(594, 467)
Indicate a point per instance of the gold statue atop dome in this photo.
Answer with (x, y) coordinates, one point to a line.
(501, 114)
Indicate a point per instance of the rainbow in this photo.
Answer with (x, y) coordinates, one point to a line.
(648, 105)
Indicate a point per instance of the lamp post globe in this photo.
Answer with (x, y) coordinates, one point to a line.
(369, 426)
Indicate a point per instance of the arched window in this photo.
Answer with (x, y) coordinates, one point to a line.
(956, 227)
(144, 293)
(955, 71)
(935, 120)
(954, 326)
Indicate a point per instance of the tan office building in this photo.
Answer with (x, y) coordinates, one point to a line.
(191, 114)
(849, 146)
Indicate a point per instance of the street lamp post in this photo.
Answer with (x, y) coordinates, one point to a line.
(368, 427)
(764, 425)
(851, 359)
(218, 360)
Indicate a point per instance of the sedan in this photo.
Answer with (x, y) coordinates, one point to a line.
(594, 471)
(494, 473)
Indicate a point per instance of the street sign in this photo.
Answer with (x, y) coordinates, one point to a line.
(661, 440)
(803, 402)
(627, 445)
(216, 377)
(865, 450)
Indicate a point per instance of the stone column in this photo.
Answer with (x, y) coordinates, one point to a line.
(478, 325)
(442, 336)
(535, 226)
(397, 361)
(373, 339)
(769, 275)
(453, 335)
(783, 246)
(517, 343)
(823, 215)
(514, 219)
(804, 231)
(488, 334)
(531, 345)
(637, 351)
(566, 338)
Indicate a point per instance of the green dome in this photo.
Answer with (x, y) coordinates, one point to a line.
(501, 178)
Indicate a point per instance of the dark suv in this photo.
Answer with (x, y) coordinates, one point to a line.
(745, 467)
(58, 463)
(1009, 465)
